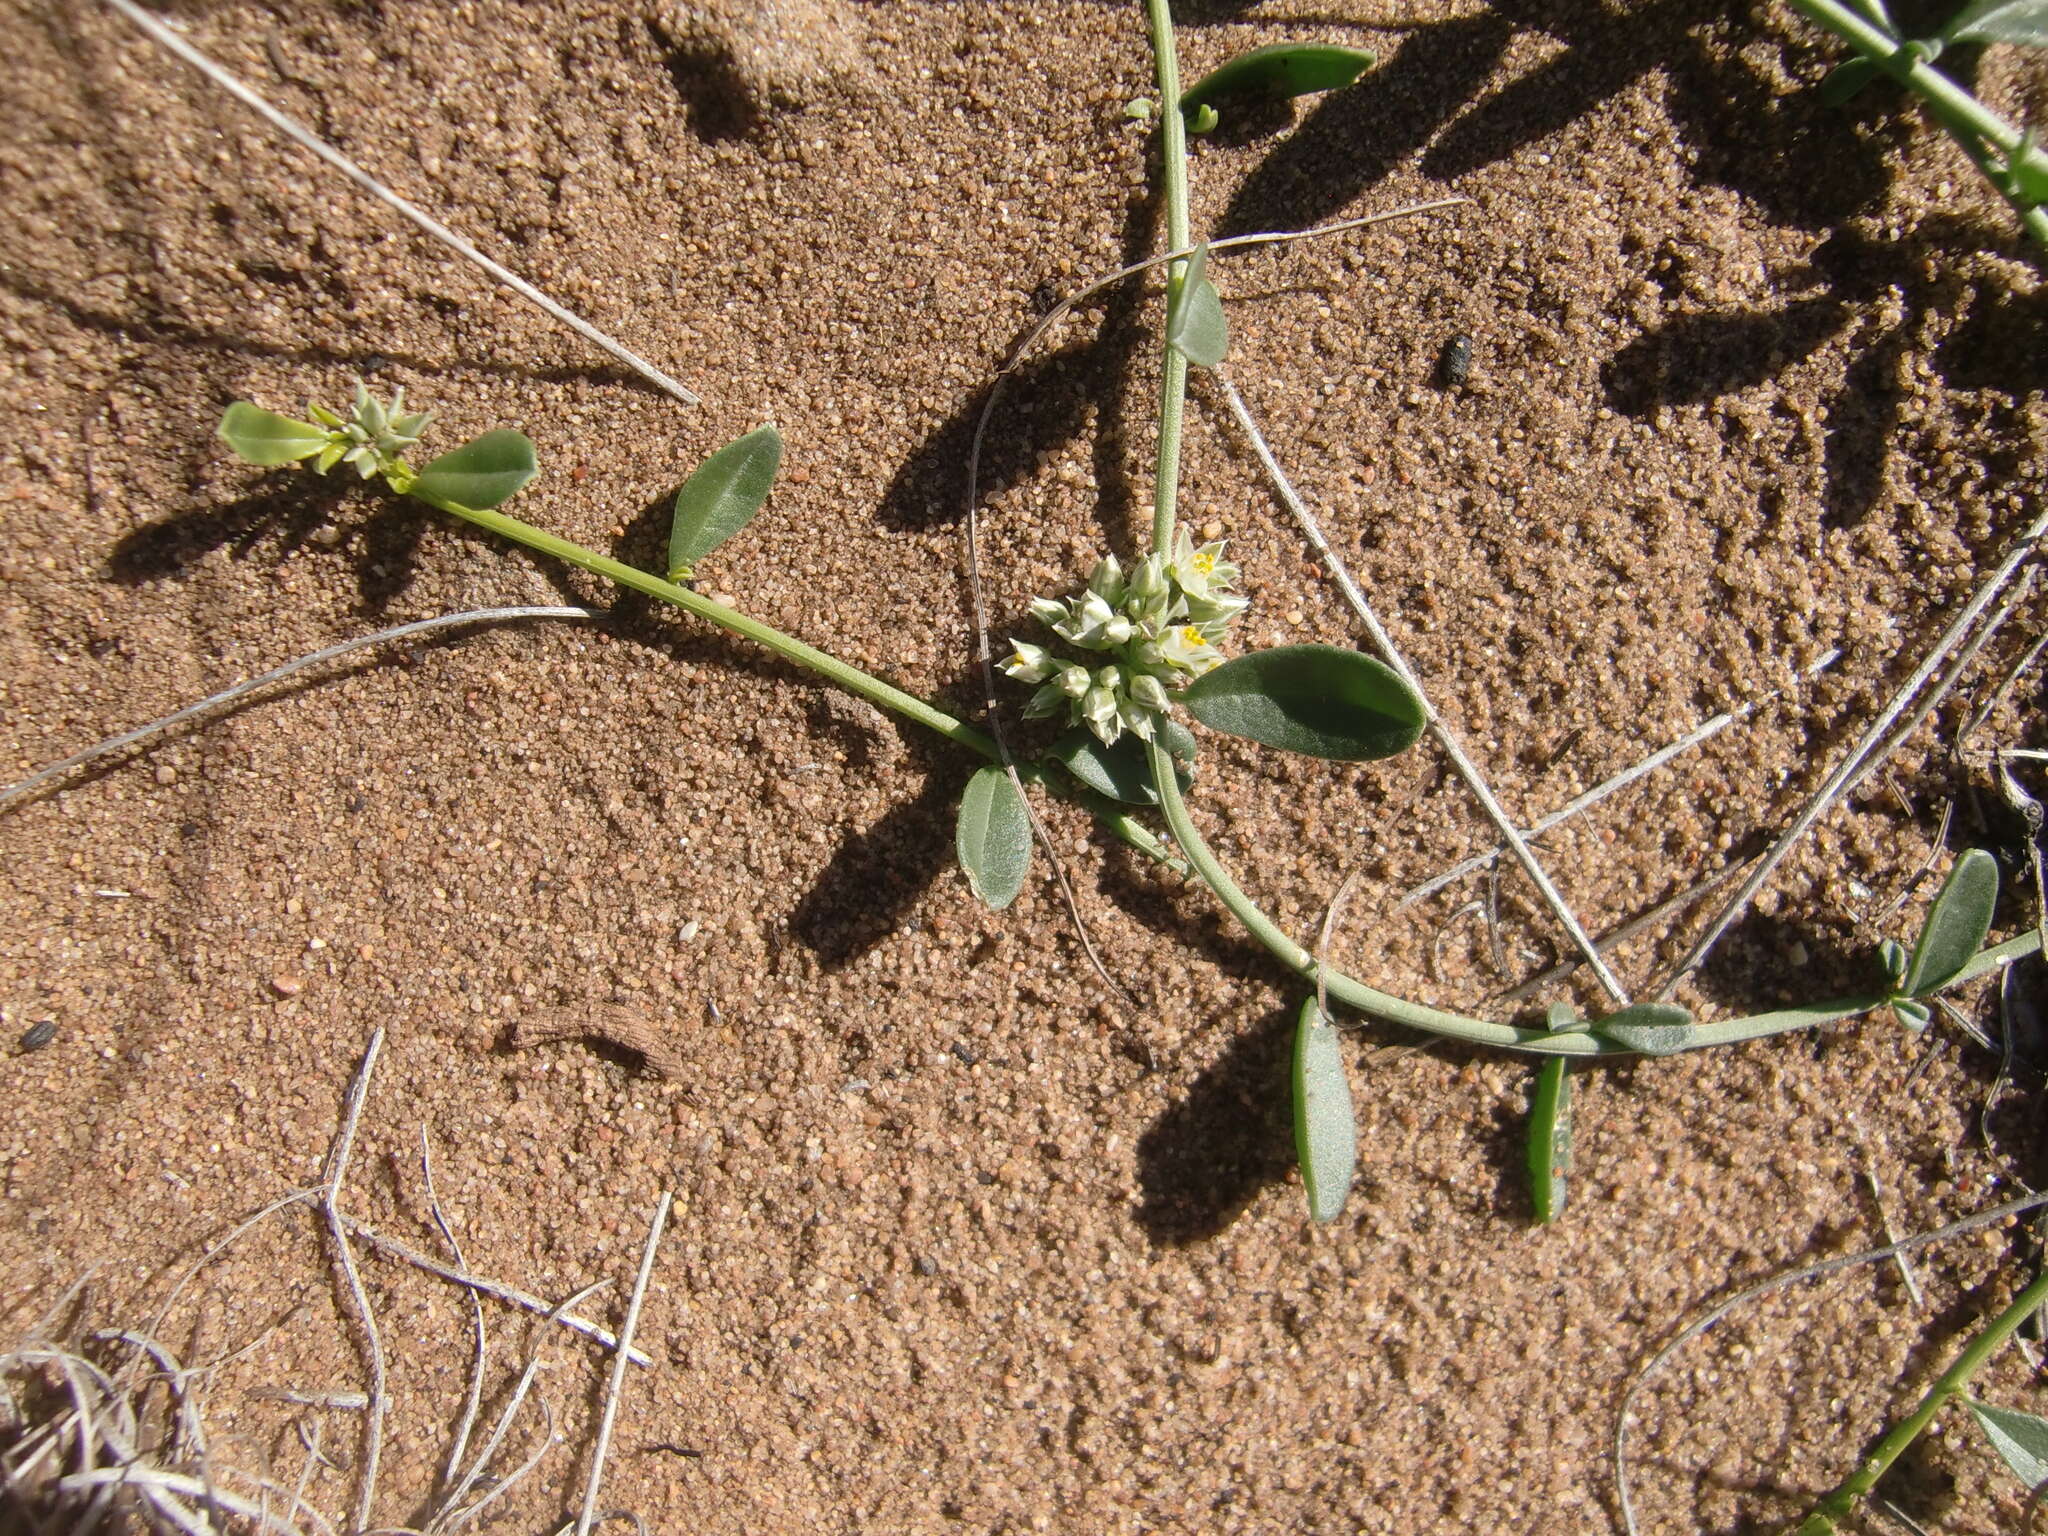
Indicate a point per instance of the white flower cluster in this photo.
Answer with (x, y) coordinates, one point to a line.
(373, 436)
(1160, 623)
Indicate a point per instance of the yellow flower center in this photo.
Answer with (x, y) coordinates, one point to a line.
(1191, 636)
(1205, 565)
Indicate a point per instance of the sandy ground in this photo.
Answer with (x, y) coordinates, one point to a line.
(959, 1242)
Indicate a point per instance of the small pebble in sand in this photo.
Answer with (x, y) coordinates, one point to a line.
(287, 985)
(166, 774)
(1454, 367)
(39, 1034)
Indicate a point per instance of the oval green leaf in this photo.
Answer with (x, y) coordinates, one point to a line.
(1912, 1014)
(1550, 1138)
(1123, 770)
(721, 498)
(1846, 80)
(1956, 924)
(2001, 21)
(1277, 71)
(2020, 1439)
(264, 437)
(1655, 1029)
(993, 837)
(481, 473)
(1195, 327)
(1325, 1129)
(1317, 699)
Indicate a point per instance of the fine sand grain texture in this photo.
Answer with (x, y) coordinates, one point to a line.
(960, 1243)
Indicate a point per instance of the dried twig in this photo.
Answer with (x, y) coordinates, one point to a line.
(624, 1027)
(1877, 740)
(299, 134)
(497, 1288)
(618, 1375)
(211, 702)
(1467, 769)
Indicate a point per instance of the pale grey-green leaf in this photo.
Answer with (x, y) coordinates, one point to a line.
(2020, 1439)
(1195, 327)
(1956, 924)
(2001, 21)
(1325, 1129)
(993, 837)
(481, 473)
(1655, 1029)
(1320, 700)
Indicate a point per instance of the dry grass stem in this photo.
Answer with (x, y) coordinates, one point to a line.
(15, 792)
(1878, 738)
(1692, 1330)
(618, 1373)
(473, 1398)
(508, 1293)
(373, 1345)
(1640, 924)
(1704, 732)
(303, 136)
(1467, 769)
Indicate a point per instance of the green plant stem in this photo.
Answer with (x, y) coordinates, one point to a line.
(1837, 1504)
(1988, 139)
(1347, 989)
(851, 678)
(1173, 150)
(848, 677)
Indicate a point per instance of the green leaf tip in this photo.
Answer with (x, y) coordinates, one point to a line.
(481, 473)
(1320, 700)
(2020, 1439)
(2000, 21)
(1278, 71)
(1325, 1128)
(1550, 1138)
(266, 438)
(721, 498)
(993, 837)
(1956, 925)
(1195, 326)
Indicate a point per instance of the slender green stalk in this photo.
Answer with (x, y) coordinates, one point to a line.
(1173, 151)
(789, 647)
(850, 678)
(1988, 139)
(1837, 1505)
(1347, 989)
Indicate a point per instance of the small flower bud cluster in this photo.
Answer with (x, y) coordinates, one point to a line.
(372, 437)
(1160, 624)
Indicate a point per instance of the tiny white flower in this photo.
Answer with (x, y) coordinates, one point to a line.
(1137, 719)
(1049, 700)
(1074, 681)
(1200, 572)
(1186, 649)
(1049, 611)
(1218, 608)
(1030, 663)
